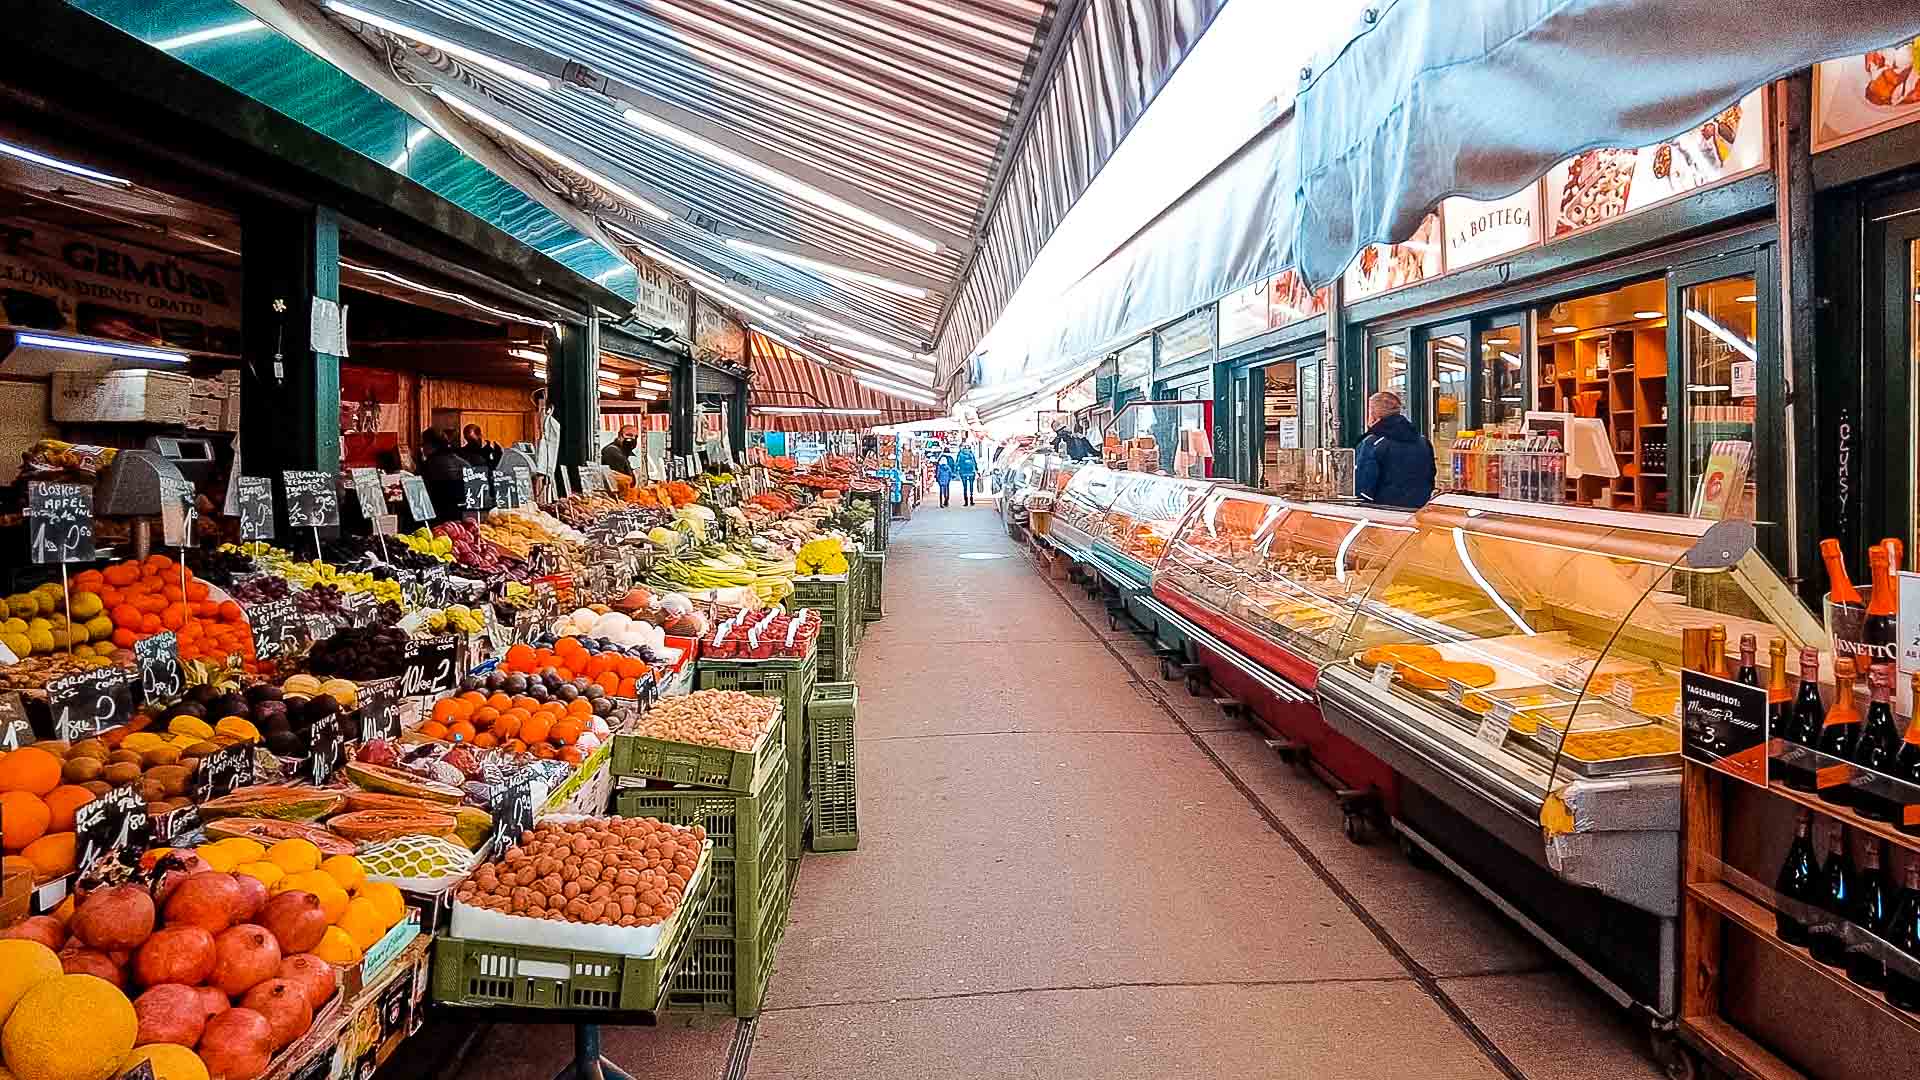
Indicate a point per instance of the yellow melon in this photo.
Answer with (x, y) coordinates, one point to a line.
(23, 965)
(171, 1061)
(41, 1041)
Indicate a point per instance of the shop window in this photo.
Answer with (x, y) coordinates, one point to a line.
(1390, 370)
(1603, 358)
(1289, 421)
(1722, 392)
(1447, 396)
(1503, 392)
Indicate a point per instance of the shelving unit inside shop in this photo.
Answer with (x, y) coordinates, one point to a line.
(1629, 393)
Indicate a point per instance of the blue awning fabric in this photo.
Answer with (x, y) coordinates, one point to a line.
(1426, 99)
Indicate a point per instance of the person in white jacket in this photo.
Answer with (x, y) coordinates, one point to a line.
(546, 444)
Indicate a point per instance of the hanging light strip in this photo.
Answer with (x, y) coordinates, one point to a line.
(896, 391)
(389, 276)
(822, 324)
(529, 79)
(68, 167)
(805, 410)
(829, 269)
(211, 33)
(487, 120)
(97, 348)
(803, 191)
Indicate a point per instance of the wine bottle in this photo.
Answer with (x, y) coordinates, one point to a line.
(1717, 652)
(1803, 724)
(1839, 733)
(1882, 631)
(1903, 933)
(1906, 769)
(1749, 671)
(1834, 896)
(1797, 883)
(1839, 587)
(1864, 964)
(1878, 747)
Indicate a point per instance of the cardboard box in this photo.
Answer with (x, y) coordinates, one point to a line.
(230, 413)
(121, 395)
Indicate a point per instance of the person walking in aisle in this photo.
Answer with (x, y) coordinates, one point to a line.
(968, 467)
(942, 473)
(1395, 464)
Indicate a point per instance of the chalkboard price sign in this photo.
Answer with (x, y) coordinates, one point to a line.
(506, 494)
(523, 479)
(158, 658)
(419, 504)
(512, 804)
(327, 750)
(114, 822)
(312, 498)
(430, 666)
(15, 731)
(380, 710)
(86, 704)
(256, 508)
(222, 772)
(369, 493)
(176, 511)
(436, 588)
(276, 627)
(62, 522)
(474, 487)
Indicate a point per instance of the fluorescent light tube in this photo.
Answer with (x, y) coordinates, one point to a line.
(1732, 339)
(486, 120)
(797, 350)
(98, 348)
(896, 391)
(1565, 329)
(55, 163)
(211, 33)
(799, 189)
(1649, 314)
(499, 67)
(829, 269)
(795, 410)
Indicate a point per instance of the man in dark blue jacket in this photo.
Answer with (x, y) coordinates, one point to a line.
(1394, 466)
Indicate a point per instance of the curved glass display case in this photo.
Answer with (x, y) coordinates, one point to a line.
(1080, 513)
(1275, 579)
(1140, 520)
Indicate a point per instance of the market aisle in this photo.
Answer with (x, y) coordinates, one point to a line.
(1056, 880)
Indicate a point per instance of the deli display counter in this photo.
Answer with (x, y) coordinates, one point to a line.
(1139, 523)
(1518, 665)
(1080, 513)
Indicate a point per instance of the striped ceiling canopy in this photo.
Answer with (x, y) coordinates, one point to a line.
(793, 391)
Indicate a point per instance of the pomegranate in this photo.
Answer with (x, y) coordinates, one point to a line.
(44, 929)
(296, 920)
(175, 954)
(311, 974)
(79, 961)
(173, 868)
(244, 956)
(253, 897)
(119, 917)
(237, 1044)
(170, 1013)
(212, 1001)
(209, 900)
(284, 1003)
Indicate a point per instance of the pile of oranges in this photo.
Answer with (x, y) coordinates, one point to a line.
(618, 675)
(545, 729)
(142, 597)
(37, 811)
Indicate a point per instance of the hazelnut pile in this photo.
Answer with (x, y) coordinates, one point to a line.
(729, 719)
(608, 871)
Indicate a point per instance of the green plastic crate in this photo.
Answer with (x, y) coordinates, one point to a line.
(882, 513)
(832, 597)
(703, 766)
(749, 837)
(497, 974)
(830, 767)
(872, 607)
(728, 974)
(792, 682)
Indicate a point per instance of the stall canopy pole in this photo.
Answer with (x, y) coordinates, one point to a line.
(681, 409)
(289, 262)
(574, 378)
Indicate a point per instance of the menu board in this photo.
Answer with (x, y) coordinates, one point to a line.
(1383, 267)
(418, 502)
(1858, 96)
(1477, 231)
(1600, 185)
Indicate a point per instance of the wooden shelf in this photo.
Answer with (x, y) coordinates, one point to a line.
(1846, 816)
(1734, 1051)
(1757, 919)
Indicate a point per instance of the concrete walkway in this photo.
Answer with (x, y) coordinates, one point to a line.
(1068, 869)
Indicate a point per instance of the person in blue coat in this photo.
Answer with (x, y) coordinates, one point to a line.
(942, 473)
(968, 467)
(1394, 466)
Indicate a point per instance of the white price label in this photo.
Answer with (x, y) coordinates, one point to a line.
(1383, 675)
(1621, 694)
(1492, 731)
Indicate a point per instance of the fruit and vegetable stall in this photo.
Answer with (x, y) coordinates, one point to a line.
(268, 803)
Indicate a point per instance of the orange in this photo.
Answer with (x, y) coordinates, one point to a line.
(486, 740)
(525, 702)
(52, 854)
(579, 707)
(29, 769)
(485, 715)
(443, 710)
(62, 802)
(23, 819)
(520, 656)
(500, 700)
(534, 729)
(434, 729)
(506, 727)
(631, 667)
(460, 730)
(566, 732)
(609, 682)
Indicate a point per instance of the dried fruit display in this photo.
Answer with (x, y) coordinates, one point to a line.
(609, 871)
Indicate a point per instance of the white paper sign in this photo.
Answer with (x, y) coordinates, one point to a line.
(1909, 585)
(327, 330)
(1745, 381)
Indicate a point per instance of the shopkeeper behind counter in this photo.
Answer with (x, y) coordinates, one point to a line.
(443, 468)
(618, 455)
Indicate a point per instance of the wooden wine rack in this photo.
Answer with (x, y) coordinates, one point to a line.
(1632, 393)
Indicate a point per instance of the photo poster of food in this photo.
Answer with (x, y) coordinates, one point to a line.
(1721, 495)
(1383, 267)
(369, 416)
(1858, 96)
(1290, 301)
(76, 283)
(1598, 186)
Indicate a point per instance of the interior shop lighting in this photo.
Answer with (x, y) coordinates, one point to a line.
(803, 191)
(54, 163)
(802, 410)
(211, 33)
(418, 136)
(540, 373)
(529, 79)
(1649, 314)
(444, 294)
(1565, 329)
(829, 269)
(533, 355)
(1714, 388)
(515, 135)
(1466, 560)
(1733, 340)
(1747, 299)
(903, 394)
(98, 348)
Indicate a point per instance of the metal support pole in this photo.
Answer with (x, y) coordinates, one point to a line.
(588, 1063)
(288, 261)
(573, 379)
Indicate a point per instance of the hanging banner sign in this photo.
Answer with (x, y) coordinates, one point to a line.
(660, 299)
(71, 282)
(1478, 231)
(715, 336)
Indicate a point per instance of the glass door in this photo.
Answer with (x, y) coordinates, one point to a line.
(1448, 394)
(1719, 357)
(1882, 499)
(1502, 372)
